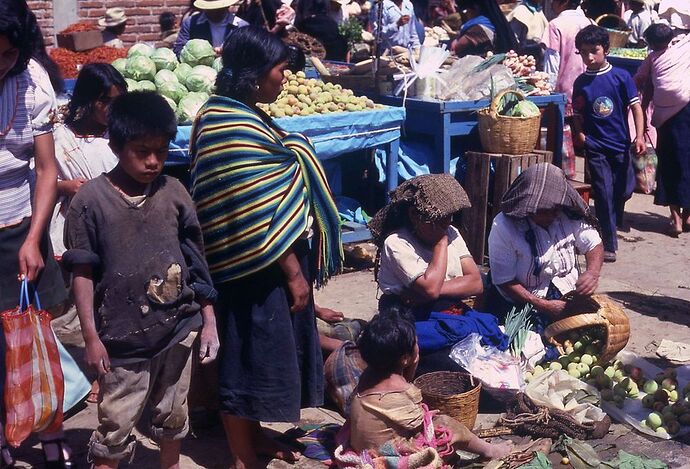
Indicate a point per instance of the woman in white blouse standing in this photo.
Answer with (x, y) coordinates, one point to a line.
(27, 109)
(534, 242)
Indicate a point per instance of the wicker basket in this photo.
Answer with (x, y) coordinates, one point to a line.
(453, 394)
(505, 134)
(599, 310)
(619, 34)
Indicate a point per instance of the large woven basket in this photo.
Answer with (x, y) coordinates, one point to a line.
(505, 134)
(599, 310)
(617, 29)
(451, 393)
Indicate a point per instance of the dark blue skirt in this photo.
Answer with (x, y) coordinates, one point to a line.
(673, 151)
(270, 360)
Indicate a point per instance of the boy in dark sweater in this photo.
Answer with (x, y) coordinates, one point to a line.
(141, 284)
(601, 98)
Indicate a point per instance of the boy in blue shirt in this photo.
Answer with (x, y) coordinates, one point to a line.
(601, 98)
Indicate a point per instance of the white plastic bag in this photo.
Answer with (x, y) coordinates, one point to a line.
(462, 83)
(499, 372)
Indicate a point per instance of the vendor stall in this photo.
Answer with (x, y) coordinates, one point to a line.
(446, 119)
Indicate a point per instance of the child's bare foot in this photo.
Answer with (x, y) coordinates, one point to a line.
(500, 450)
(271, 448)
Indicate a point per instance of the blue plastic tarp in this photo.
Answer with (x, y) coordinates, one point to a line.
(332, 134)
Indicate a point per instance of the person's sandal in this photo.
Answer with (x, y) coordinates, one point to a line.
(672, 231)
(609, 256)
(63, 462)
(6, 458)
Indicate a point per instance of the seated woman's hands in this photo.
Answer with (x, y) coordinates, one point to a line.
(553, 308)
(587, 283)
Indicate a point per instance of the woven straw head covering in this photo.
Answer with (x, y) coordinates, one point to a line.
(541, 187)
(434, 196)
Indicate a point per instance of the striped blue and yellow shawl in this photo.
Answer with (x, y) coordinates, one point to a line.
(254, 188)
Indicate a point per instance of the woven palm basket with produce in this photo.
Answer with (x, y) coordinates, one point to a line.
(451, 393)
(596, 317)
(617, 29)
(510, 125)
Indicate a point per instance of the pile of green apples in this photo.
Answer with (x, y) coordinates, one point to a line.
(580, 360)
(302, 96)
(671, 407)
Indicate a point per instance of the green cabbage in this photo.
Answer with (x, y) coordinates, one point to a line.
(140, 68)
(165, 76)
(182, 71)
(120, 65)
(197, 52)
(146, 85)
(218, 64)
(173, 90)
(165, 59)
(189, 106)
(525, 109)
(132, 85)
(202, 78)
(140, 49)
(172, 104)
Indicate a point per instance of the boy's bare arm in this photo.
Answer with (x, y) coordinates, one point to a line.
(638, 118)
(578, 134)
(82, 284)
(209, 334)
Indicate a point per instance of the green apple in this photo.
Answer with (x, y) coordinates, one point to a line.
(673, 396)
(669, 384)
(555, 366)
(618, 376)
(564, 361)
(528, 376)
(661, 431)
(569, 350)
(596, 371)
(583, 368)
(577, 345)
(586, 359)
(575, 373)
(538, 370)
(654, 420)
(648, 401)
(610, 372)
(650, 387)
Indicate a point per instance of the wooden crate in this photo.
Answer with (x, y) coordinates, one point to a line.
(486, 189)
(80, 40)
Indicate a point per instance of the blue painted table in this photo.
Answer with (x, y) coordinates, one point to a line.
(333, 135)
(631, 65)
(446, 119)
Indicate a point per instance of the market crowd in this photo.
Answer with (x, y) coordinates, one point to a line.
(167, 279)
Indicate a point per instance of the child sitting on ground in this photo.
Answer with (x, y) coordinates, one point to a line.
(141, 284)
(386, 406)
(601, 98)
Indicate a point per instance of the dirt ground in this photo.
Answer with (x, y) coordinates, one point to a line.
(651, 280)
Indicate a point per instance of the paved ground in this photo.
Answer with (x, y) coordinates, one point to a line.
(651, 279)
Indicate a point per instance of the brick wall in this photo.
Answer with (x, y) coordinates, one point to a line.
(44, 15)
(142, 25)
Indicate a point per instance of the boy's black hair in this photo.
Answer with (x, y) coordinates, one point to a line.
(385, 341)
(18, 24)
(140, 114)
(249, 53)
(593, 35)
(167, 20)
(658, 35)
(93, 83)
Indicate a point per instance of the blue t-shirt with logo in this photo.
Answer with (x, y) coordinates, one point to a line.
(602, 98)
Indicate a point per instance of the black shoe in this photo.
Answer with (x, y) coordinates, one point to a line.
(609, 256)
(64, 462)
(6, 458)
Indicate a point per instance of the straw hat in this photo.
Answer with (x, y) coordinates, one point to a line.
(113, 17)
(215, 4)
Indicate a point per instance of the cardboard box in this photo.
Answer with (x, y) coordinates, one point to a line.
(80, 40)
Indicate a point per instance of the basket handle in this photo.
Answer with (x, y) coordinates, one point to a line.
(497, 99)
(621, 22)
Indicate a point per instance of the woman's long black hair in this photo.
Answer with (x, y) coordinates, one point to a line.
(248, 54)
(505, 37)
(94, 82)
(18, 24)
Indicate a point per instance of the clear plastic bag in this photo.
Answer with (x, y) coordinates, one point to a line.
(462, 83)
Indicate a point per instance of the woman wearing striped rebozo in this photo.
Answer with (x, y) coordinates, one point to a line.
(270, 229)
